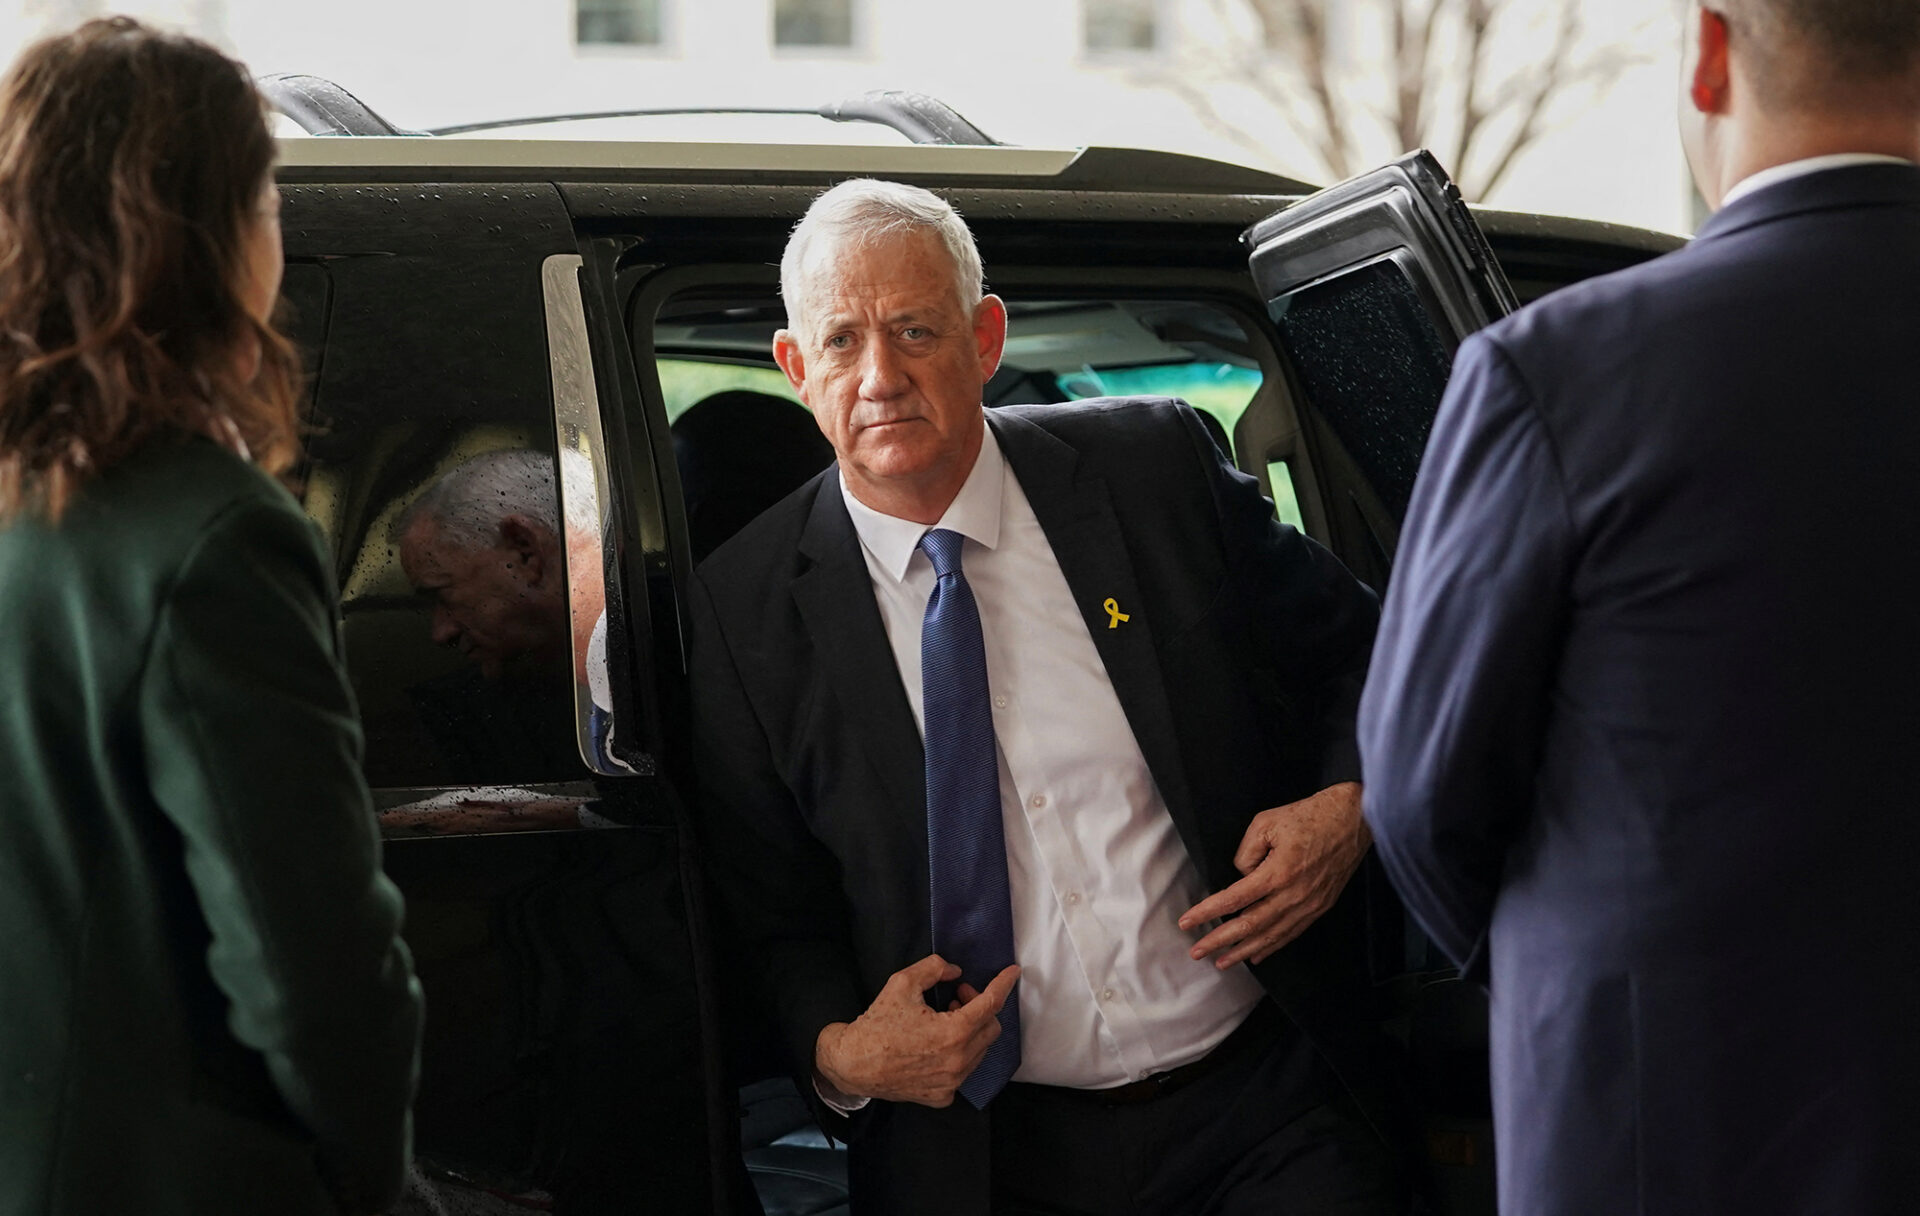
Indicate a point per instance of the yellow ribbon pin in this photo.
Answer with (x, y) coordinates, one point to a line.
(1113, 611)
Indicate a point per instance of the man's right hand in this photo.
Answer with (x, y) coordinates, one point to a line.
(900, 1050)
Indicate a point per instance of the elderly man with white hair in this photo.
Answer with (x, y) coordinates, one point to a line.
(1026, 742)
(488, 543)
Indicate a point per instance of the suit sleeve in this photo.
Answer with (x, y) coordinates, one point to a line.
(1454, 709)
(253, 751)
(1314, 621)
(778, 885)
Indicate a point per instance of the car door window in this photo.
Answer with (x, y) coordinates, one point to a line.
(439, 489)
(1371, 286)
(1374, 364)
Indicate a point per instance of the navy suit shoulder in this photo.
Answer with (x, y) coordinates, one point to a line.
(1129, 431)
(1635, 730)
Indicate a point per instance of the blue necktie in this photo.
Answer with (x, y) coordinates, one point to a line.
(966, 850)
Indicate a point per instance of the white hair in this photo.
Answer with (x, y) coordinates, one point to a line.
(468, 502)
(866, 211)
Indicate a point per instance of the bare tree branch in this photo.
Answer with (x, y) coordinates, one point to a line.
(1476, 20)
(1303, 25)
(1413, 57)
(1218, 123)
(1548, 82)
(1253, 66)
(1437, 78)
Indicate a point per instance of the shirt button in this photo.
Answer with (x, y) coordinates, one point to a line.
(1106, 994)
(1039, 801)
(1145, 1073)
(999, 702)
(1073, 897)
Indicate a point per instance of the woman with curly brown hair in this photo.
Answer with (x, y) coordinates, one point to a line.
(205, 1006)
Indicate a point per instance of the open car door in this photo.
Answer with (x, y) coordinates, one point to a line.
(1372, 285)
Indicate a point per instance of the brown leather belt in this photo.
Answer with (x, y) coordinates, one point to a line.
(1257, 1032)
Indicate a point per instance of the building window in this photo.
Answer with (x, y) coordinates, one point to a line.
(617, 22)
(1121, 25)
(813, 23)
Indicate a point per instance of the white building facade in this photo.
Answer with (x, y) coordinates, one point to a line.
(1041, 72)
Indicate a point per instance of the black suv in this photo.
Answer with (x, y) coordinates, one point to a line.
(591, 1046)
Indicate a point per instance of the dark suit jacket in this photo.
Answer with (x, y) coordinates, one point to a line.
(1239, 672)
(204, 1007)
(1640, 729)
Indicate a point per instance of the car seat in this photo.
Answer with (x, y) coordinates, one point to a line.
(740, 452)
(795, 1169)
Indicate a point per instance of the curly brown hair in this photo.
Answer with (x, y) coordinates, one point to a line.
(131, 168)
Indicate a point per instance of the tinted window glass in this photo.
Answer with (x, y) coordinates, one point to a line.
(439, 496)
(617, 22)
(1120, 25)
(813, 22)
(1373, 365)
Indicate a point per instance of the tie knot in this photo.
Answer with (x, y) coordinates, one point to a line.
(942, 547)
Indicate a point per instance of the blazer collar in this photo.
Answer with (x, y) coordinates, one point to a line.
(1833, 189)
(1076, 512)
(835, 598)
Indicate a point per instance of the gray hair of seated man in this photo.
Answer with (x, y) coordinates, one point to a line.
(864, 212)
(468, 502)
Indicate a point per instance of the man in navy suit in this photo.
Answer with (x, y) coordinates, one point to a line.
(990, 708)
(1638, 737)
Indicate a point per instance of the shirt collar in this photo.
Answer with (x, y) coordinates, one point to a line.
(1801, 168)
(974, 513)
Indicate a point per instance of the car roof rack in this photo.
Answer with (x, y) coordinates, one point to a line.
(322, 107)
(922, 119)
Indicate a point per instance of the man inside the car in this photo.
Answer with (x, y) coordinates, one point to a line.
(484, 541)
(983, 713)
(488, 544)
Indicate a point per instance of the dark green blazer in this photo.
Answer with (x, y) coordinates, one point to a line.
(205, 1006)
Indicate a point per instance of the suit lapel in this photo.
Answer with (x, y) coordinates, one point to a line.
(1076, 513)
(835, 598)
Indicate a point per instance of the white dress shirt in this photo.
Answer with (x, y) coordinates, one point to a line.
(1801, 168)
(1108, 993)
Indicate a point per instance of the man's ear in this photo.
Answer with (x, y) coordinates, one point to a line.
(990, 333)
(792, 361)
(529, 541)
(1711, 89)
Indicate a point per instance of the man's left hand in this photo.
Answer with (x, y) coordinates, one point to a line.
(1297, 859)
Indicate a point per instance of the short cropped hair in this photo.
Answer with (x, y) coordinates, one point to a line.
(468, 502)
(864, 211)
(1816, 53)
